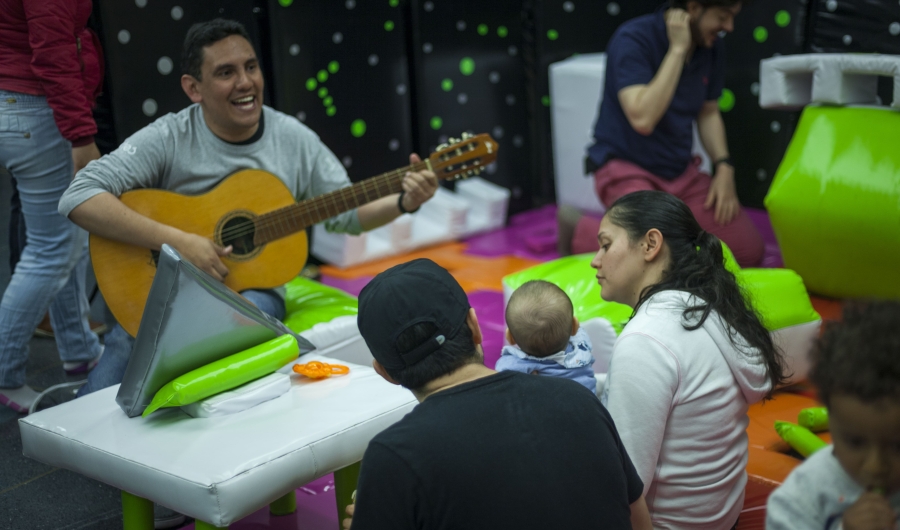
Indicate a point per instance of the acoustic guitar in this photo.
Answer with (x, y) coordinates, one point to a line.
(255, 213)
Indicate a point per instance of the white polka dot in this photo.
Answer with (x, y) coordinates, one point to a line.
(350, 4)
(177, 13)
(491, 168)
(394, 144)
(494, 77)
(461, 25)
(462, 98)
(149, 107)
(775, 126)
(754, 89)
(301, 116)
(140, 3)
(338, 37)
(401, 89)
(347, 161)
(124, 36)
(428, 6)
(510, 99)
(427, 47)
(847, 40)
(497, 132)
(761, 174)
(164, 65)
(568, 7)
(373, 60)
(516, 192)
(894, 28)
(831, 5)
(518, 141)
(613, 8)
(294, 49)
(442, 139)
(513, 50)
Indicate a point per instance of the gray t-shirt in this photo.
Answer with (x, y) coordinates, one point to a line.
(815, 496)
(179, 153)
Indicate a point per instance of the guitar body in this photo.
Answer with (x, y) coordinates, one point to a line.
(125, 272)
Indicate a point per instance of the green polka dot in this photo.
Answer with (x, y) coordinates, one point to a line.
(334, 66)
(323, 92)
(311, 84)
(545, 101)
(389, 25)
(482, 29)
(437, 123)
(726, 100)
(328, 101)
(467, 66)
(330, 111)
(285, 3)
(358, 128)
(322, 76)
(552, 34)
(760, 34)
(447, 85)
(392, 3)
(502, 32)
(782, 18)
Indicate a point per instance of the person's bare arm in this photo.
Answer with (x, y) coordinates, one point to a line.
(644, 105)
(722, 191)
(105, 215)
(418, 187)
(640, 515)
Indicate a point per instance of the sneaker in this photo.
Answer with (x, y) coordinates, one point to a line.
(19, 399)
(83, 367)
(45, 330)
(55, 395)
(166, 518)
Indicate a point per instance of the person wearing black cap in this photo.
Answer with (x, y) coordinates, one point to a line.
(482, 449)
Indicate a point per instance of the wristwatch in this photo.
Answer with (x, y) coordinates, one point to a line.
(723, 160)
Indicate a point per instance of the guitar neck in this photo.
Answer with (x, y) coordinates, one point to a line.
(290, 219)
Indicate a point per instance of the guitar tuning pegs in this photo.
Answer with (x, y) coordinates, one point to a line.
(442, 147)
(454, 141)
(467, 135)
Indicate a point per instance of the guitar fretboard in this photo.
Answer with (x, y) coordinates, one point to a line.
(290, 219)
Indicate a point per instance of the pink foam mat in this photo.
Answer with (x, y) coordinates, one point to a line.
(529, 235)
(488, 306)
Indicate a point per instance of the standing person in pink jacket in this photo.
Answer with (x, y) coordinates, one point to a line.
(688, 364)
(50, 72)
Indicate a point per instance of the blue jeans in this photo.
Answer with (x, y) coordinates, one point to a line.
(51, 271)
(111, 368)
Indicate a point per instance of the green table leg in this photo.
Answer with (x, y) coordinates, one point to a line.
(137, 512)
(200, 525)
(284, 505)
(345, 480)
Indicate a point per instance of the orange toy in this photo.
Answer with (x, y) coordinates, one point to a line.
(320, 370)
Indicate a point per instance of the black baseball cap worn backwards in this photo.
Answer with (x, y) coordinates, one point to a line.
(403, 296)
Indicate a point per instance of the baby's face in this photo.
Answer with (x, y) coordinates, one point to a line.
(866, 440)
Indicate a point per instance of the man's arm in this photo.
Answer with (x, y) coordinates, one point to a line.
(722, 193)
(418, 188)
(644, 105)
(640, 515)
(105, 215)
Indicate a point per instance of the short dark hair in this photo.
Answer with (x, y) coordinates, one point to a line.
(706, 4)
(860, 356)
(455, 353)
(203, 34)
(539, 316)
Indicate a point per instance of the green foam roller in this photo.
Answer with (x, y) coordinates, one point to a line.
(814, 419)
(799, 438)
(227, 373)
(308, 303)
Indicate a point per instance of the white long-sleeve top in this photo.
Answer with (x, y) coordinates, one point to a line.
(679, 399)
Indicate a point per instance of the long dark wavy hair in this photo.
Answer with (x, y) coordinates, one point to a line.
(697, 266)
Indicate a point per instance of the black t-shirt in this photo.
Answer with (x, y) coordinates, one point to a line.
(505, 451)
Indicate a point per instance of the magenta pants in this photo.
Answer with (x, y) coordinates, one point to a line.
(618, 177)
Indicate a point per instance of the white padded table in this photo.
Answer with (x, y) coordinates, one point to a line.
(219, 469)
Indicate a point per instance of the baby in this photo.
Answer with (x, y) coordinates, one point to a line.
(545, 337)
(855, 484)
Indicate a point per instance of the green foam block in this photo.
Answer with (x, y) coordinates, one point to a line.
(814, 419)
(800, 438)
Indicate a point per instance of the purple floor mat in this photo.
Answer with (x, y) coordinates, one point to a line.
(488, 306)
(772, 254)
(529, 235)
(353, 286)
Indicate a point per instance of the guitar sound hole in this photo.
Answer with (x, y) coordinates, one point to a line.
(238, 232)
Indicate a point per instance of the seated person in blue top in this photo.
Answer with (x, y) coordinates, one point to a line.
(664, 71)
(481, 450)
(855, 484)
(544, 336)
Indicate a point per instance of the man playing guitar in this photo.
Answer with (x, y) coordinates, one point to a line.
(226, 129)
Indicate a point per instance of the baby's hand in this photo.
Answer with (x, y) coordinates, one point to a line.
(871, 512)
